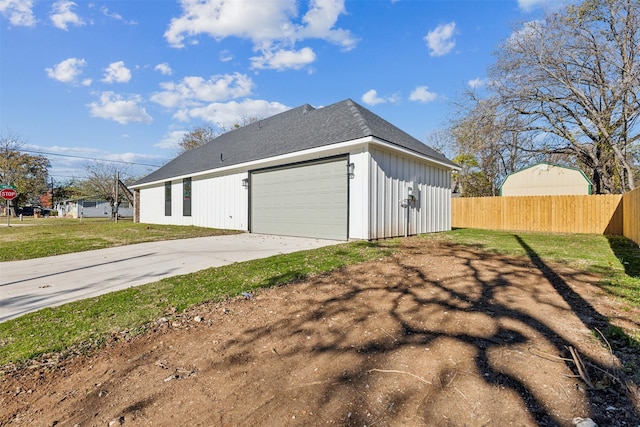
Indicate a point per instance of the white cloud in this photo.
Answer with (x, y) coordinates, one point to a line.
(229, 113)
(529, 5)
(67, 70)
(164, 69)
(476, 83)
(171, 140)
(371, 98)
(193, 91)
(62, 15)
(283, 59)
(129, 157)
(440, 41)
(225, 56)
(116, 72)
(241, 18)
(114, 107)
(422, 94)
(19, 12)
(272, 25)
(320, 19)
(529, 32)
(105, 11)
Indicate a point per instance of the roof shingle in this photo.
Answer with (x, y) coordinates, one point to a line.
(294, 130)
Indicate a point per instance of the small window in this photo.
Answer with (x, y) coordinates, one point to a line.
(186, 197)
(167, 198)
(89, 204)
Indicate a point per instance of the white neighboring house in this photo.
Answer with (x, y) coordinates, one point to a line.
(546, 179)
(83, 208)
(337, 172)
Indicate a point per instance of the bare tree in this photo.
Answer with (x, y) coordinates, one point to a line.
(486, 145)
(101, 182)
(196, 137)
(574, 79)
(201, 135)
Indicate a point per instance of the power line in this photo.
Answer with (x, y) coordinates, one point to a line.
(88, 158)
(57, 176)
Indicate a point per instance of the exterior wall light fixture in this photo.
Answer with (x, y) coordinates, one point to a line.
(350, 168)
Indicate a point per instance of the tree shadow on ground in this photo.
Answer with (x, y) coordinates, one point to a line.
(628, 252)
(482, 339)
(439, 334)
(587, 314)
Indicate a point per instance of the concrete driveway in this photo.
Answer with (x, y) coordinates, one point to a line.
(30, 285)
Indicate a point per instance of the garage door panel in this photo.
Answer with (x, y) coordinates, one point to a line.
(305, 200)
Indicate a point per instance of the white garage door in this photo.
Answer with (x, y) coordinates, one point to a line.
(306, 200)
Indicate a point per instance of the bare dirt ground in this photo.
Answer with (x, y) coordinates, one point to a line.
(438, 335)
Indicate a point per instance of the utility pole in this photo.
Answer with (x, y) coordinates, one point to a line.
(115, 203)
(52, 201)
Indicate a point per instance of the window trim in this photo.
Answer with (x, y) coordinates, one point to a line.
(186, 196)
(167, 198)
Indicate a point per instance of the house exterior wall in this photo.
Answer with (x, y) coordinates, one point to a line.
(91, 209)
(378, 184)
(359, 194)
(217, 201)
(390, 174)
(546, 180)
(221, 202)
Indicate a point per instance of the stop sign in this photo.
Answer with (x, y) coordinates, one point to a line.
(8, 193)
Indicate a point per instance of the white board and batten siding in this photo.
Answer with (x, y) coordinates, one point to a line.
(217, 201)
(390, 175)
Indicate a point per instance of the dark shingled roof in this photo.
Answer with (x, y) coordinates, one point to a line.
(294, 130)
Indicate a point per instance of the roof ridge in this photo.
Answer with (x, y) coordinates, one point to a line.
(361, 120)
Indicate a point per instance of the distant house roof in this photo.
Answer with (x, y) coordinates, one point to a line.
(301, 128)
(543, 184)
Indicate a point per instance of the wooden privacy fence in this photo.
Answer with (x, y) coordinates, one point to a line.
(601, 214)
(631, 215)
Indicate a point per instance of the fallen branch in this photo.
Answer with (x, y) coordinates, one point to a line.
(580, 365)
(548, 356)
(582, 370)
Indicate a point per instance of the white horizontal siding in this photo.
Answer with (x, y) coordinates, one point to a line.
(389, 176)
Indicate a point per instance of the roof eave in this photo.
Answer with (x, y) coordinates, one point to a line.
(387, 144)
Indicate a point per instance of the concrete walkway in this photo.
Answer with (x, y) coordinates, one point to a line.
(30, 285)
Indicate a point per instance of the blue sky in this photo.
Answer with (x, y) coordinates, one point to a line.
(124, 80)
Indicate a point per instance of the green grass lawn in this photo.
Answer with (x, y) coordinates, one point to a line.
(86, 324)
(39, 237)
